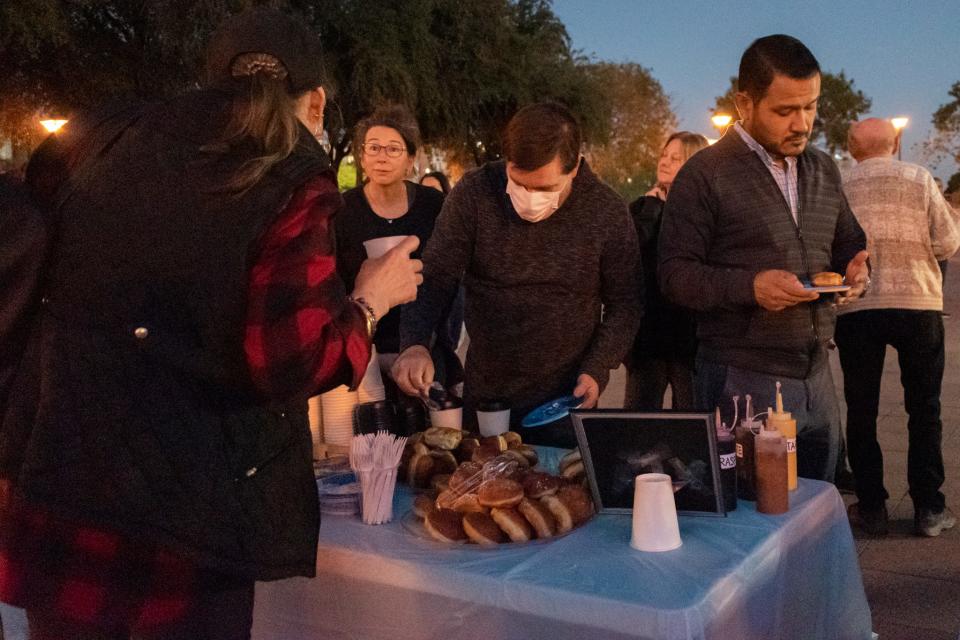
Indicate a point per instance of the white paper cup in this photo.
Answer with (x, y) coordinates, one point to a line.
(493, 423)
(655, 526)
(376, 247)
(449, 418)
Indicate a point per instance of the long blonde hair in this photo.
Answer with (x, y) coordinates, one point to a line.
(690, 142)
(264, 115)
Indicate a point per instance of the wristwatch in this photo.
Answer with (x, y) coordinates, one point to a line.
(368, 314)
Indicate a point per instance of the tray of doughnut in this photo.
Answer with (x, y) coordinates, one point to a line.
(497, 503)
(431, 456)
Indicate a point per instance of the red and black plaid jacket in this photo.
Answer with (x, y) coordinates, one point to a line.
(302, 335)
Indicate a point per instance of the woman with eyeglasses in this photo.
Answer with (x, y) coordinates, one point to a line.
(385, 205)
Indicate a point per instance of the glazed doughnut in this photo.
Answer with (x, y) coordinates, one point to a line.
(573, 470)
(419, 470)
(468, 503)
(826, 279)
(466, 474)
(513, 524)
(466, 448)
(423, 505)
(440, 482)
(515, 455)
(539, 517)
(560, 512)
(538, 484)
(570, 458)
(499, 441)
(486, 451)
(578, 502)
(500, 493)
(512, 438)
(482, 529)
(529, 453)
(443, 461)
(445, 525)
(442, 438)
(445, 499)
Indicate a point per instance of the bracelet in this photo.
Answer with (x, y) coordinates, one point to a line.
(368, 314)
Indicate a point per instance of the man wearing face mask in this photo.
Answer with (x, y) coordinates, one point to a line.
(747, 221)
(547, 253)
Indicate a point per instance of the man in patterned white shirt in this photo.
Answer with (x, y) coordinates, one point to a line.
(909, 228)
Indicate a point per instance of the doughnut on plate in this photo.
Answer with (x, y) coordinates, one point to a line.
(414, 526)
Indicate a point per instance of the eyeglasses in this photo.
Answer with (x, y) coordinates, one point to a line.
(373, 149)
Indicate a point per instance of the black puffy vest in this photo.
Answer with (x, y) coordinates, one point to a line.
(133, 408)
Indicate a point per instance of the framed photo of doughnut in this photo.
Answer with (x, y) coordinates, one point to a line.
(618, 445)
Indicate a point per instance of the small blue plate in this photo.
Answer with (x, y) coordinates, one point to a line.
(551, 411)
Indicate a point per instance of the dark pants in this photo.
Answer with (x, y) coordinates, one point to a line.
(223, 611)
(647, 381)
(812, 401)
(917, 336)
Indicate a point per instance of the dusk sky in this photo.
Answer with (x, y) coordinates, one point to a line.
(904, 56)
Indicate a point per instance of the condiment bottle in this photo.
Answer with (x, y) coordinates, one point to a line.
(746, 481)
(727, 450)
(771, 460)
(787, 426)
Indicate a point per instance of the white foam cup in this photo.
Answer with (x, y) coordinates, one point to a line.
(449, 418)
(493, 419)
(376, 247)
(655, 525)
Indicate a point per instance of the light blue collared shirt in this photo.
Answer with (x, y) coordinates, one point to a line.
(786, 178)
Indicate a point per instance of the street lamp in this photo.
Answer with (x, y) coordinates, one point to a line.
(721, 121)
(899, 123)
(53, 125)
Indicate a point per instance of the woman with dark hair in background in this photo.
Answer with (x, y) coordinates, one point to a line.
(385, 205)
(155, 455)
(436, 180)
(666, 344)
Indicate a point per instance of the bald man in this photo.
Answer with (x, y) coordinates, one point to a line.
(909, 228)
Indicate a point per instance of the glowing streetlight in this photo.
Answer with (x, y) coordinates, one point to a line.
(899, 123)
(721, 121)
(53, 125)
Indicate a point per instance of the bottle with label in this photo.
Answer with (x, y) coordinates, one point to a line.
(727, 450)
(746, 482)
(773, 497)
(787, 426)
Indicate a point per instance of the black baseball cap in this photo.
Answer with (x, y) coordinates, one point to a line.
(266, 30)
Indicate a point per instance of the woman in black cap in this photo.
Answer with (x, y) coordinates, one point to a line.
(155, 458)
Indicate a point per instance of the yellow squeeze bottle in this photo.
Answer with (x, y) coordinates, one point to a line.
(787, 426)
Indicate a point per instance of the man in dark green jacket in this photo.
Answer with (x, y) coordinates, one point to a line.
(748, 222)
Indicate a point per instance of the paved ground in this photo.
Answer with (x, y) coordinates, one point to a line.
(913, 584)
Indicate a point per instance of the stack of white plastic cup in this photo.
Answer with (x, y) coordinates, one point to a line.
(337, 406)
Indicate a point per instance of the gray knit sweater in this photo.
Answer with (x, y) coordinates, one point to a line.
(534, 291)
(725, 221)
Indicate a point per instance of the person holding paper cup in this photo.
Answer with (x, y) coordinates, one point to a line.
(154, 437)
(385, 209)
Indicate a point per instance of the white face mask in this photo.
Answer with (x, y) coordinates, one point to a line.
(533, 206)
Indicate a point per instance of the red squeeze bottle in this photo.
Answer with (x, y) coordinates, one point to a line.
(771, 462)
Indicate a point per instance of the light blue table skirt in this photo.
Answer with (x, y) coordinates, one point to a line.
(745, 576)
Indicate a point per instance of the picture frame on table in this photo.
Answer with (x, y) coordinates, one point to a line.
(618, 445)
